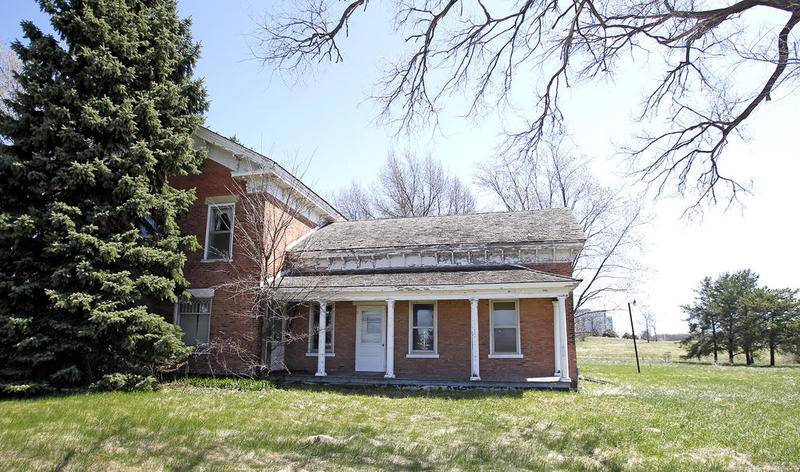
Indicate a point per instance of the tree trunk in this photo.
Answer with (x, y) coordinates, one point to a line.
(772, 341)
(714, 339)
(730, 353)
(772, 349)
(748, 355)
(731, 343)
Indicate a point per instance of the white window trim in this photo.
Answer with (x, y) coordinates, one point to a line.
(211, 206)
(312, 348)
(176, 317)
(504, 355)
(412, 354)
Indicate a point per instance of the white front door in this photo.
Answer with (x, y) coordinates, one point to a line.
(371, 339)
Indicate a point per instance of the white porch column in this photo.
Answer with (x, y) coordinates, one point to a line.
(557, 338)
(564, 347)
(323, 308)
(389, 339)
(474, 346)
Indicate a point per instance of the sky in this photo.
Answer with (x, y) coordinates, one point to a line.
(326, 121)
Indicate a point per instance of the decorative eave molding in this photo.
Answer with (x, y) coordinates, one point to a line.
(254, 167)
(434, 292)
(461, 255)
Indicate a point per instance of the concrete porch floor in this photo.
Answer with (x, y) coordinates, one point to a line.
(377, 380)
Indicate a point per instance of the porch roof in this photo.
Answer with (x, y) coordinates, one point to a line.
(500, 277)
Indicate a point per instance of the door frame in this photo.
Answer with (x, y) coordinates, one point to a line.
(360, 308)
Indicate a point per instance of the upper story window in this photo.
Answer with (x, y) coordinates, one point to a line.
(505, 329)
(422, 329)
(194, 318)
(219, 232)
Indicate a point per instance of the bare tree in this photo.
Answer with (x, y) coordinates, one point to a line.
(9, 64)
(555, 178)
(649, 326)
(407, 186)
(721, 62)
(355, 202)
(267, 220)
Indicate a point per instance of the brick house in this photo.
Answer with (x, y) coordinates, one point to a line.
(463, 299)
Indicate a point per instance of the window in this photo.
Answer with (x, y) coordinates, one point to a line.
(422, 330)
(219, 232)
(313, 329)
(194, 318)
(505, 329)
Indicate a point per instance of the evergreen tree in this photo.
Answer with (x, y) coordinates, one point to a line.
(728, 291)
(89, 242)
(703, 322)
(776, 310)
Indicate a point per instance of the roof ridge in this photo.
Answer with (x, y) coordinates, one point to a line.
(457, 215)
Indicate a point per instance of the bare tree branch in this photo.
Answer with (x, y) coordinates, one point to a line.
(555, 178)
(456, 46)
(9, 64)
(407, 186)
(269, 217)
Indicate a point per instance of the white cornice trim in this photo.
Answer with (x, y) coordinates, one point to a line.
(263, 166)
(433, 292)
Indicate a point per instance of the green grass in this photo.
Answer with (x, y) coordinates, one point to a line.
(674, 416)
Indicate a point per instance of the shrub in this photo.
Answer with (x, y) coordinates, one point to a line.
(125, 383)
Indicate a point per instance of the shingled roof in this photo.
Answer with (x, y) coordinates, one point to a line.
(549, 225)
(423, 278)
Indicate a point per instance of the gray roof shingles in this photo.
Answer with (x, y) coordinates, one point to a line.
(427, 278)
(548, 225)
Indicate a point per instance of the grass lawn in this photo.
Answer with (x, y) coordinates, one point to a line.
(674, 416)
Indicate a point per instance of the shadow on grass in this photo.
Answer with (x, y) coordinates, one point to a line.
(64, 460)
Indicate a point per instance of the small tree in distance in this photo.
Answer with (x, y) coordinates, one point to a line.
(407, 186)
(9, 65)
(732, 313)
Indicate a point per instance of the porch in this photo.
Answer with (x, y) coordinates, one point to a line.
(390, 329)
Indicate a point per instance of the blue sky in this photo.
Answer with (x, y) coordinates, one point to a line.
(327, 121)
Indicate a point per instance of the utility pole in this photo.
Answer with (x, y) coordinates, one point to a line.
(633, 333)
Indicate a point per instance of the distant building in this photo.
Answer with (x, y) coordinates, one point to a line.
(593, 323)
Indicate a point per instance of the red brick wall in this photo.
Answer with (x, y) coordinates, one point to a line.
(233, 328)
(344, 342)
(536, 324)
(563, 269)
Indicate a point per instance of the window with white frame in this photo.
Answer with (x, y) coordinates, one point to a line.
(505, 328)
(219, 232)
(194, 318)
(422, 329)
(313, 328)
